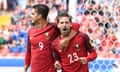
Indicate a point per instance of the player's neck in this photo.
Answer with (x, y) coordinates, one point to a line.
(41, 24)
(63, 36)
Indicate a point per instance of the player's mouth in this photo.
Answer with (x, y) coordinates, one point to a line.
(64, 29)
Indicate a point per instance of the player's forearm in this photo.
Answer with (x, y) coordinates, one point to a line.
(28, 56)
(26, 67)
(27, 63)
(56, 55)
(92, 56)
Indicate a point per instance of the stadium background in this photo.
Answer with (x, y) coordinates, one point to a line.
(100, 19)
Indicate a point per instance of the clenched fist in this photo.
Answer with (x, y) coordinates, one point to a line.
(57, 65)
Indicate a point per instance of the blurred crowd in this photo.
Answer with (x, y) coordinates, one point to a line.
(100, 19)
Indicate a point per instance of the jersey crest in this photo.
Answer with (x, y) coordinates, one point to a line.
(47, 35)
(77, 47)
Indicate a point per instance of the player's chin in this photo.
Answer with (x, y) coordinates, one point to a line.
(65, 33)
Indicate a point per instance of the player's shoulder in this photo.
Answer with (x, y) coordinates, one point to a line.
(56, 41)
(52, 24)
(83, 35)
(32, 28)
(76, 25)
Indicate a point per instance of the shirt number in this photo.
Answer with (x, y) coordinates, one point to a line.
(73, 57)
(41, 45)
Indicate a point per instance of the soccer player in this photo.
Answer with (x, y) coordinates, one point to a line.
(39, 54)
(79, 51)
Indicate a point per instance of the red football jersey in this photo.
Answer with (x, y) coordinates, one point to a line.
(39, 51)
(70, 57)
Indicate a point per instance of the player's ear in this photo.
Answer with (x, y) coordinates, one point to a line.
(58, 25)
(39, 16)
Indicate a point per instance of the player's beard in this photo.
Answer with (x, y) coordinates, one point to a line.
(65, 33)
(34, 22)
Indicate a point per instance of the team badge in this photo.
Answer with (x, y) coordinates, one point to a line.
(77, 46)
(47, 35)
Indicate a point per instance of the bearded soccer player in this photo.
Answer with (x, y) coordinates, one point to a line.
(39, 54)
(79, 51)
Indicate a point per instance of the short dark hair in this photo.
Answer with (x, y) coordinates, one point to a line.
(64, 14)
(42, 9)
(93, 11)
(101, 13)
(87, 12)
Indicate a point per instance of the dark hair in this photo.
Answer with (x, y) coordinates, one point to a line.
(93, 11)
(96, 19)
(111, 19)
(42, 9)
(87, 12)
(64, 14)
(100, 24)
(101, 13)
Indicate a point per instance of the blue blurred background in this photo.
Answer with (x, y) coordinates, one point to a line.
(100, 19)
